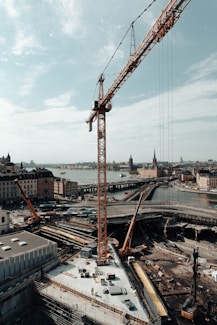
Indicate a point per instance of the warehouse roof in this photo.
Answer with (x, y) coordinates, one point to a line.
(20, 242)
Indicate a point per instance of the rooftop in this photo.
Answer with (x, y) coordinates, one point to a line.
(20, 242)
(107, 287)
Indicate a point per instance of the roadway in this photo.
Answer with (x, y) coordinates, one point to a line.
(117, 212)
(79, 234)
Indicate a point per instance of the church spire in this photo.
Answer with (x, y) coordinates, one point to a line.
(154, 161)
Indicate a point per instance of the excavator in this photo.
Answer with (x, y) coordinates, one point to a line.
(211, 311)
(126, 249)
(34, 219)
(189, 308)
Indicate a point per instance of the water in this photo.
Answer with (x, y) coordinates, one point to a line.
(204, 200)
(88, 176)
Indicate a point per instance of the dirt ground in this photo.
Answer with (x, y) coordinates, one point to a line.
(170, 266)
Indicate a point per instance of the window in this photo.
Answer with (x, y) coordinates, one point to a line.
(3, 219)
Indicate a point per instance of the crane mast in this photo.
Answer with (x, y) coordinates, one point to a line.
(101, 189)
(126, 248)
(167, 19)
(34, 217)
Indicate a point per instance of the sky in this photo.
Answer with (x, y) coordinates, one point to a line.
(52, 54)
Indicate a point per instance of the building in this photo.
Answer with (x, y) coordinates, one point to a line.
(45, 183)
(186, 177)
(35, 185)
(38, 183)
(24, 256)
(131, 164)
(6, 166)
(28, 182)
(23, 250)
(65, 188)
(153, 170)
(206, 179)
(4, 221)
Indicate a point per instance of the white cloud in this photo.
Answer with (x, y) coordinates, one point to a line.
(60, 101)
(204, 68)
(42, 69)
(19, 14)
(25, 44)
(134, 129)
(68, 13)
(177, 119)
(10, 8)
(2, 40)
(54, 117)
(107, 52)
(52, 134)
(31, 77)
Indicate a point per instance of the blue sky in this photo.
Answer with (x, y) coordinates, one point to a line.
(52, 53)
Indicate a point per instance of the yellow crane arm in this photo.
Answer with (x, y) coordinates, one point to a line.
(126, 248)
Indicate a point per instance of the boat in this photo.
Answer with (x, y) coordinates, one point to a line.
(122, 175)
(62, 173)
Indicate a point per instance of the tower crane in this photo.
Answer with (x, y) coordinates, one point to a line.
(34, 216)
(167, 19)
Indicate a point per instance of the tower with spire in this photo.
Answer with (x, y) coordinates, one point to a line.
(130, 163)
(154, 161)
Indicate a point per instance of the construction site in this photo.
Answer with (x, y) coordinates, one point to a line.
(51, 273)
(75, 267)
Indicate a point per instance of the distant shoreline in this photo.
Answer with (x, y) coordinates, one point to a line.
(182, 189)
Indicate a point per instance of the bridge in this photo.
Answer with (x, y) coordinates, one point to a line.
(116, 186)
(149, 211)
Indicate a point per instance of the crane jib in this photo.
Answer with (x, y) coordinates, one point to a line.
(168, 17)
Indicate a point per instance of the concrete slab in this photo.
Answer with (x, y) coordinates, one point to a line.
(83, 276)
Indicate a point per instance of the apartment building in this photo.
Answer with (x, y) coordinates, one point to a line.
(65, 188)
(45, 183)
(4, 221)
(207, 180)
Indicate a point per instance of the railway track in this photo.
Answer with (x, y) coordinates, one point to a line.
(77, 225)
(67, 236)
(68, 228)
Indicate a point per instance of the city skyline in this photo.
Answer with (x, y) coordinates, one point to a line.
(53, 52)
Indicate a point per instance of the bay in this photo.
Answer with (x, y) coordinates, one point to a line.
(88, 176)
(161, 194)
(197, 199)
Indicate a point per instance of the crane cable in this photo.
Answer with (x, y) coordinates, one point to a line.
(123, 38)
(166, 100)
(121, 42)
(166, 104)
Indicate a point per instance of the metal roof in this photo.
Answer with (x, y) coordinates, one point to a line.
(20, 242)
